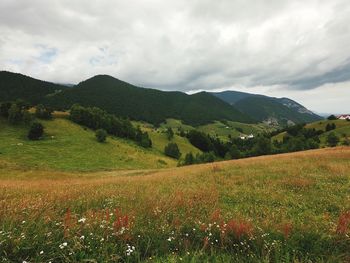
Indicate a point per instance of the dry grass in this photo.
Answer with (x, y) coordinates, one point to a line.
(292, 198)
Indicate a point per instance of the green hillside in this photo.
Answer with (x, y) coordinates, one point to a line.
(321, 125)
(68, 146)
(15, 86)
(222, 129)
(153, 106)
(233, 129)
(160, 140)
(342, 130)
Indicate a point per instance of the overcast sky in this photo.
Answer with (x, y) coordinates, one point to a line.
(284, 48)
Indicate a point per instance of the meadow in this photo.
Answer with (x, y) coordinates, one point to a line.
(220, 129)
(67, 146)
(284, 208)
(342, 130)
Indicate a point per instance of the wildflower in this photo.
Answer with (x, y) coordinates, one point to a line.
(82, 220)
(41, 252)
(23, 222)
(82, 237)
(63, 245)
(129, 249)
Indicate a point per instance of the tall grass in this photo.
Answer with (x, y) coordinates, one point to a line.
(285, 208)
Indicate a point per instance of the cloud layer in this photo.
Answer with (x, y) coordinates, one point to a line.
(282, 48)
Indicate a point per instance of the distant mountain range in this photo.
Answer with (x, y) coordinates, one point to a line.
(278, 111)
(154, 106)
(121, 98)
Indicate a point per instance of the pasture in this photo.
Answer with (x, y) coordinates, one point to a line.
(283, 208)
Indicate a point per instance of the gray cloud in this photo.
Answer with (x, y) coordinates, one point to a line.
(269, 46)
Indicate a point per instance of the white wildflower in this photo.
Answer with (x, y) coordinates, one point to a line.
(82, 220)
(63, 245)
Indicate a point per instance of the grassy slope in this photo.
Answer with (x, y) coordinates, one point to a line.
(73, 148)
(219, 128)
(299, 196)
(160, 140)
(342, 127)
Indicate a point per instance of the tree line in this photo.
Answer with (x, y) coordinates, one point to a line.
(97, 119)
(17, 113)
(297, 138)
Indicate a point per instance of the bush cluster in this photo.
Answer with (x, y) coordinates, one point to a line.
(95, 118)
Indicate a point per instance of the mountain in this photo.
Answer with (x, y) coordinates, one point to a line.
(279, 111)
(150, 105)
(15, 86)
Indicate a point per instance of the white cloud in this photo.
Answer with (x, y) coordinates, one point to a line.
(287, 47)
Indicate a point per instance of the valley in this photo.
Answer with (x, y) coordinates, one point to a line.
(140, 181)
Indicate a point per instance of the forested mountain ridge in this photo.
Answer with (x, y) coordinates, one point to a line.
(150, 105)
(281, 111)
(15, 86)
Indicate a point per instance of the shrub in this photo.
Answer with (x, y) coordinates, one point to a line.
(42, 112)
(27, 117)
(189, 159)
(36, 131)
(332, 117)
(14, 114)
(200, 140)
(143, 139)
(346, 142)
(169, 133)
(101, 135)
(208, 157)
(234, 152)
(4, 109)
(172, 150)
(332, 139)
(262, 146)
(330, 126)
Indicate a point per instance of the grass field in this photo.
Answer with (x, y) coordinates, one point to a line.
(160, 140)
(70, 147)
(220, 129)
(232, 128)
(342, 130)
(282, 208)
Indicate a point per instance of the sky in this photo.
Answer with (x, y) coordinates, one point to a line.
(290, 48)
